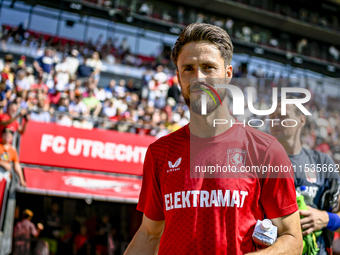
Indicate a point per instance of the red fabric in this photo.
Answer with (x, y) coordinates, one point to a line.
(2, 194)
(80, 241)
(101, 249)
(97, 150)
(54, 98)
(13, 126)
(323, 147)
(207, 226)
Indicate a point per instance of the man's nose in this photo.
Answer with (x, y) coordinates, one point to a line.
(199, 74)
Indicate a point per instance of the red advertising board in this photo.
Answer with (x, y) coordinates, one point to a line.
(3, 183)
(97, 150)
(82, 185)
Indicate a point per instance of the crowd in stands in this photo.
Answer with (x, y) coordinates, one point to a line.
(240, 30)
(181, 16)
(61, 86)
(86, 234)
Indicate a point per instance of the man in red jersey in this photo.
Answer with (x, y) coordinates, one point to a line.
(184, 215)
(9, 119)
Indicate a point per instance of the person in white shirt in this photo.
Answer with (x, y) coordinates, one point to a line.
(22, 82)
(96, 64)
(73, 62)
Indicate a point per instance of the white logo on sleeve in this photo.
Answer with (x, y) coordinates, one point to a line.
(174, 167)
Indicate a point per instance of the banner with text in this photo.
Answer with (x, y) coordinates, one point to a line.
(98, 150)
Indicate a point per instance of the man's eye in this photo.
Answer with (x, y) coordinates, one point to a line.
(188, 69)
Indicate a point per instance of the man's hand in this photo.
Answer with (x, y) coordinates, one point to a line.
(314, 220)
(289, 241)
(23, 183)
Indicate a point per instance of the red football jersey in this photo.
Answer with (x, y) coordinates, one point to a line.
(214, 215)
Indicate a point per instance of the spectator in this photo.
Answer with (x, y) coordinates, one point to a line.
(9, 156)
(81, 244)
(41, 113)
(334, 52)
(22, 82)
(44, 65)
(23, 231)
(103, 234)
(110, 89)
(93, 104)
(52, 228)
(77, 107)
(174, 91)
(63, 75)
(9, 119)
(72, 62)
(301, 45)
(124, 47)
(96, 64)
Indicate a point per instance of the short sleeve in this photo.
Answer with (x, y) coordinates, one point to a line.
(150, 198)
(278, 196)
(15, 155)
(34, 231)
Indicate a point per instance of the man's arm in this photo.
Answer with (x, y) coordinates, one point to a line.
(289, 241)
(146, 240)
(18, 170)
(22, 129)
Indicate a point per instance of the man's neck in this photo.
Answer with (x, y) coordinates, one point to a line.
(292, 146)
(203, 126)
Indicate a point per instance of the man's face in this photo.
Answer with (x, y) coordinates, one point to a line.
(201, 61)
(7, 138)
(12, 109)
(283, 133)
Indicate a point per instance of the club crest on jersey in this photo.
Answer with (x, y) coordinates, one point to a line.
(236, 158)
(310, 175)
(174, 167)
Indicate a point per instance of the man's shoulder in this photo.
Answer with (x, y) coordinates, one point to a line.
(257, 137)
(172, 140)
(318, 155)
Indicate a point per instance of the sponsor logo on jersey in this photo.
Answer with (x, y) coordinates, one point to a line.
(205, 198)
(174, 167)
(236, 158)
(310, 175)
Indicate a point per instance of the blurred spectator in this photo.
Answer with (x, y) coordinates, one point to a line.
(174, 91)
(180, 15)
(334, 52)
(81, 244)
(63, 76)
(44, 65)
(229, 26)
(144, 9)
(52, 228)
(301, 45)
(110, 89)
(103, 237)
(93, 104)
(21, 82)
(72, 61)
(124, 47)
(22, 233)
(9, 119)
(96, 64)
(9, 156)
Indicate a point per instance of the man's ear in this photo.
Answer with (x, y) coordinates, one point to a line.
(303, 120)
(229, 73)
